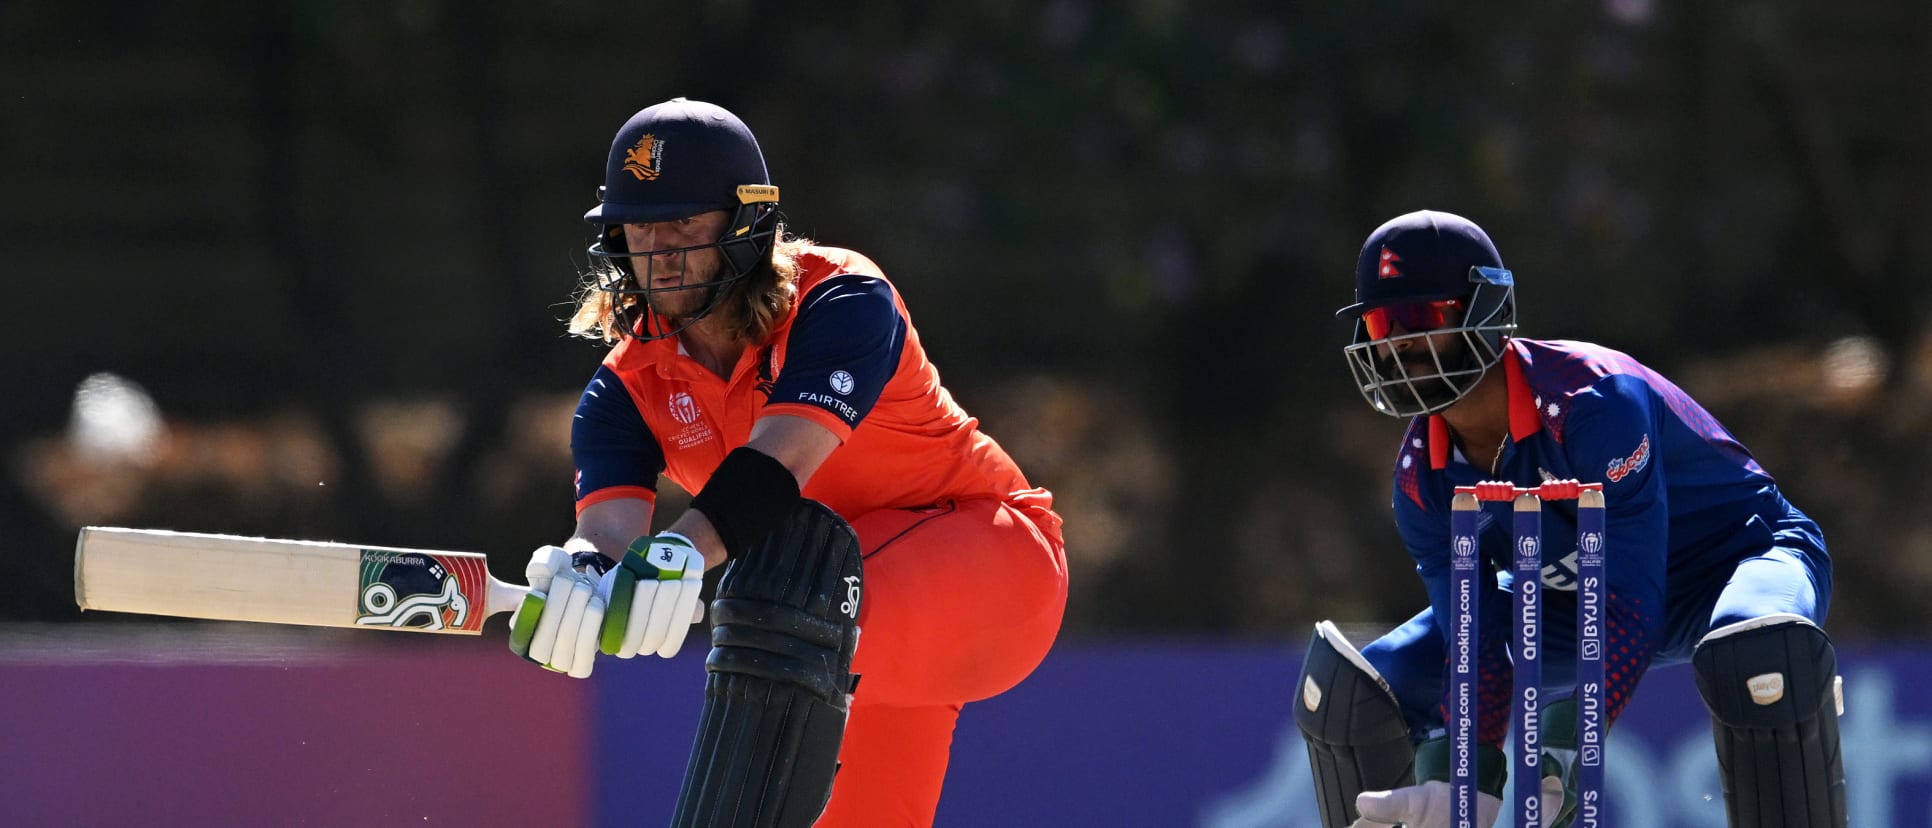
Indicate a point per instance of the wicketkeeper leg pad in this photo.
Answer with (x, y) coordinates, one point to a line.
(1357, 739)
(1772, 686)
(784, 629)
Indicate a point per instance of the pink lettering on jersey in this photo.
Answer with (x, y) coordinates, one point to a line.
(1620, 469)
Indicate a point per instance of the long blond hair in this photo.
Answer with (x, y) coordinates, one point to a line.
(751, 306)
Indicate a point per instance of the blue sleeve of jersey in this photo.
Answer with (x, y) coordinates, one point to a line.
(1611, 438)
(843, 347)
(1426, 533)
(1425, 530)
(609, 441)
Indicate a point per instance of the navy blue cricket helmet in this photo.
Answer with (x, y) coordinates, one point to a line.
(670, 161)
(1427, 273)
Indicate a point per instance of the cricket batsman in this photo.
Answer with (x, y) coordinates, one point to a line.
(836, 480)
(1707, 561)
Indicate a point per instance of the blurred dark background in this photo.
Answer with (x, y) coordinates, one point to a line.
(297, 269)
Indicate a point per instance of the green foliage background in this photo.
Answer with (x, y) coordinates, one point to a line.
(334, 242)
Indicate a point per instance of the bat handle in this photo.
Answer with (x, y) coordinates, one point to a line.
(504, 597)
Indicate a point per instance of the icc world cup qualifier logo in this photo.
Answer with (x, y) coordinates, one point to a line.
(683, 408)
(1590, 545)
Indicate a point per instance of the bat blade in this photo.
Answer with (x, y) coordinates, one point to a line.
(315, 583)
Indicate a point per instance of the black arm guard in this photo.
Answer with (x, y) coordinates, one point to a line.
(747, 497)
(785, 626)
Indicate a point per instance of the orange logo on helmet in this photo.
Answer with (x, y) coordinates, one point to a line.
(642, 160)
(1388, 270)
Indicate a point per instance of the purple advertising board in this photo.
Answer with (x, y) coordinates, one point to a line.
(190, 731)
(174, 731)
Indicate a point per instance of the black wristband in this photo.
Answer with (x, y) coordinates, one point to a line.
(748, 495)
(597, 561)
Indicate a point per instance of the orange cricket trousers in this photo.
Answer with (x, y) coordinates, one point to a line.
(961, 602)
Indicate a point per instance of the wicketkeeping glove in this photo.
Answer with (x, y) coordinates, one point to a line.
(1419, 806)
(1559, 738)
(1426, 805)
(558, 624)
(653, 596)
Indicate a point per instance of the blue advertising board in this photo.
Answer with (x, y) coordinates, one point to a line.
(1200, 734)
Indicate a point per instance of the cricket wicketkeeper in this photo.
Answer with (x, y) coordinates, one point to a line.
(1707, 560)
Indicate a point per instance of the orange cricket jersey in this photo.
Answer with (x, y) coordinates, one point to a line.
(845, 357)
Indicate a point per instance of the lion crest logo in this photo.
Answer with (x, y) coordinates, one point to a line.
(643, 159)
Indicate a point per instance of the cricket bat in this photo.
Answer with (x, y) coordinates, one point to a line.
(232, 578)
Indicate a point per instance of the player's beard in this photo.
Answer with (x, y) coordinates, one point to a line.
(1424, 377)
(675, 298)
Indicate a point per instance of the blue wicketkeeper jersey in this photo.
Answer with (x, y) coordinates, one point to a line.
(1685, 501)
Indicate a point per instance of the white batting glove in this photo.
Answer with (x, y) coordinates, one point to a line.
(559, 621)
(653, 596)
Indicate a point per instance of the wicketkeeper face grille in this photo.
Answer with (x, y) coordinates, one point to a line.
(1443, 348)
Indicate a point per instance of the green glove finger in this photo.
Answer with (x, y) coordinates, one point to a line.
(618, 612)
(526, 625)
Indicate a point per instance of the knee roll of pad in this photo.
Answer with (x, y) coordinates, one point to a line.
(779, 680)
(1772, 688)
(1357, 739)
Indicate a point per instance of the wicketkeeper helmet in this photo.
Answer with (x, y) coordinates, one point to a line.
(1419, 271)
